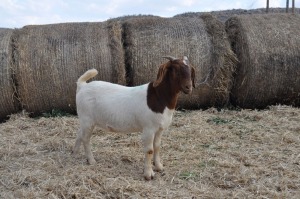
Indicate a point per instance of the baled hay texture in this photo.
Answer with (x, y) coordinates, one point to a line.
(147, 39)
(117, 52)
(206, 154)
(267, 47)
(224, 15)
(50, 59)
(223, 61)
(8, 100)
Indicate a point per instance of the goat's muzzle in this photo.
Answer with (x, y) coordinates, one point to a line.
(187, 89)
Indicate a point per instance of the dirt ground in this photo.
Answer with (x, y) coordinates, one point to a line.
(206, 154)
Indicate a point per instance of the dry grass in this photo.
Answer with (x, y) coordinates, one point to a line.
(207, 154)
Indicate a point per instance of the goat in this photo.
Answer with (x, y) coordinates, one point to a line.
(147, 108)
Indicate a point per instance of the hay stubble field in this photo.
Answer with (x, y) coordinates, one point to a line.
(206, 154)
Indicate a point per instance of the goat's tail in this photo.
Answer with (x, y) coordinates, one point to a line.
(86, 76)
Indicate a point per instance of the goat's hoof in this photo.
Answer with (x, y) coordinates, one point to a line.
(91, 161)
(149, 175)
(158, 167)
(74, 153)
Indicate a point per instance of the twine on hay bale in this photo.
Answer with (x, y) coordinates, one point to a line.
(147, 39)
(50, 58)
(8, 102)
(267, 47)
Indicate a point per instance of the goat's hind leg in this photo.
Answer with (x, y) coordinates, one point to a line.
(77, 143)
(86, 136)
(83, 136)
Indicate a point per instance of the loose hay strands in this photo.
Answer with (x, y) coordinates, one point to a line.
(207, 154)
(223, 61)
(8, 102)
(147, 39)
(117, 52)
(267, 47)
(50, 58)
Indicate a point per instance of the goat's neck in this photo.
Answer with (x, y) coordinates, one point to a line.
(162, 96)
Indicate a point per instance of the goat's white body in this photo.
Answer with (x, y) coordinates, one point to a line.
(118, 108)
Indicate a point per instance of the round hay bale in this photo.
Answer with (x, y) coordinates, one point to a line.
(267, 47)
(224, 15)
(8, 102)
(147, 39)
(50, 58)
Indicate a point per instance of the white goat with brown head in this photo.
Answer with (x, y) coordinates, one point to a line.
(147, 108)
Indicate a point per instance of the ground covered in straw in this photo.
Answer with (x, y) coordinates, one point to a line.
(206, 154)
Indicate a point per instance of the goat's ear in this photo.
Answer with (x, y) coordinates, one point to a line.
(193, 76)
(162, 71)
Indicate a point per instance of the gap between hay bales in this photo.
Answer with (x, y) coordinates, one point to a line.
(223, 60)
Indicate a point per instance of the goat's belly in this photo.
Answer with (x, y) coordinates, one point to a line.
(124, 129)
(120, 126)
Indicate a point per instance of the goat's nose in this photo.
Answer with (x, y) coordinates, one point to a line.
(188, 86)
(188, 89)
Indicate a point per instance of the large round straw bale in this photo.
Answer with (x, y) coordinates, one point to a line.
(8, 100)
(147, 39)
(224, 15)
(268, 50)
(50, 58)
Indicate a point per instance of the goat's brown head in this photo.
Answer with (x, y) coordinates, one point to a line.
(178, 72)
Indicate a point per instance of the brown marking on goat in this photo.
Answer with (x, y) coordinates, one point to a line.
(172, 77)
(150, 152)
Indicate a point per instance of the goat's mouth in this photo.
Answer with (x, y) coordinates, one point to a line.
(187, 90)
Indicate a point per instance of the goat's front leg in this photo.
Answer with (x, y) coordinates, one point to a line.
(156, 146)
(147, 139)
